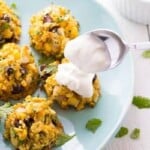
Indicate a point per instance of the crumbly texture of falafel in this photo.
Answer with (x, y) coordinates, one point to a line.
(32, 125)
(18, 72)
(10, 26)
(66, 98)
(51, 28)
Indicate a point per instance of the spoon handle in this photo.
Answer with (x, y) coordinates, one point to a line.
(139, 46)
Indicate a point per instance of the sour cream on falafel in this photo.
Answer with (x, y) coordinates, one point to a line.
(75, 79)
(87, 56)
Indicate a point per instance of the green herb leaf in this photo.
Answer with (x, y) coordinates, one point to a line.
(13, 6)
(146, 54)
(122, 132)
(62, 139)
(50, 69)
(5, 110)
(45, 60)
(60, 19)
(4, 26)
(38, 32)
(93, 124)
(141, 102)
(135, 134)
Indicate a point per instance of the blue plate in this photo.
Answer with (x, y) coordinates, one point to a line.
(117, 84)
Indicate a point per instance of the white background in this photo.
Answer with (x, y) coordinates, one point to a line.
(135, 118)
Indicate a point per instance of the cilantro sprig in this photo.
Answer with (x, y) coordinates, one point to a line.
(146, 54)
(45, 60)
(5, 110)
(135, 134)
(93, 124)
(122, 132)
(4, 26)
(13, 5)
(62, 139)
(141, 102)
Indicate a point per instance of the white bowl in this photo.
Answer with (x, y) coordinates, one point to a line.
(136, 10)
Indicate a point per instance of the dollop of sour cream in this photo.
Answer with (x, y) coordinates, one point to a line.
(75, 79)
(88, 53)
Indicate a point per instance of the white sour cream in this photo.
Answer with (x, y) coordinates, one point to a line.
(75, 79)
(88, 53)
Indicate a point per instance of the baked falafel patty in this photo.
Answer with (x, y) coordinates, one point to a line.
(10, 26)
(18, 72)
(32, 125)
(66, 98)
(51, 28)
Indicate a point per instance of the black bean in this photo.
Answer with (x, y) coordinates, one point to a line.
(42, 67)
(6, 18)
(42, 134)
(46, 147)
(17, 89)
(54, 29)
(29, 122)
(23, 70)
(45, 76)
(12, 39)
(9, 70)
(54, 122)
(47, 18)
(16, 123)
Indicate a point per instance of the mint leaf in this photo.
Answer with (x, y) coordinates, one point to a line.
(93, 124)
(122, 132)
(4, 26)
(62, 139)
(5, 110)
(135, 134)
(50, 69)
(13, 6)
(141, 102)
(46, 71)
(45, 60)
(146, 54)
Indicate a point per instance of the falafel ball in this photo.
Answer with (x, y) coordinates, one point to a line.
(32, 125)
(66, 98)
(18, 72)
(50, 30)
(10, 26)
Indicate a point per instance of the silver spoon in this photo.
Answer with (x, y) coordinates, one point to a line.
(115, 48)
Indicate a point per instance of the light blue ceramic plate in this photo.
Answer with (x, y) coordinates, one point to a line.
(117, 84)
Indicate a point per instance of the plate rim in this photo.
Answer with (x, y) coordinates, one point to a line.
(124, 112)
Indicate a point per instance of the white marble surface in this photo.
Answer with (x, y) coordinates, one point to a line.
(135, 118)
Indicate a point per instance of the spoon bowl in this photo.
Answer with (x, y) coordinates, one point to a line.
(116, 47)
(100, 50)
